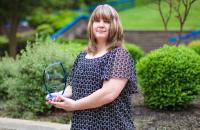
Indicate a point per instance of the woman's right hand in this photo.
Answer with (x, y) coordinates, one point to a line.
(51, 96)
(67, 93)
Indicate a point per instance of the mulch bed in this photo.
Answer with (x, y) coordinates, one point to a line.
(150, 119)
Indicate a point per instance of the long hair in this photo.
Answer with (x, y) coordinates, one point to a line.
(115, 36)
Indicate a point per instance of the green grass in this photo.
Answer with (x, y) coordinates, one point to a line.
(147, 17)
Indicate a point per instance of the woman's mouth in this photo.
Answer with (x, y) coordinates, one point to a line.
(100, 30)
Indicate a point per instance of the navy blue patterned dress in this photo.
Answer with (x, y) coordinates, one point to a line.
(87, 76)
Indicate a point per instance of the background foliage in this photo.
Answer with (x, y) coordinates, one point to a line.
(168, 77)
(135, 51)
(195, 45)
(21, 81)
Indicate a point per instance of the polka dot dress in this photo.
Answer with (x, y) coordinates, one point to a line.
(87, 76)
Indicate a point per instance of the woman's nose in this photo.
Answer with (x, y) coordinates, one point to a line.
(101, 23)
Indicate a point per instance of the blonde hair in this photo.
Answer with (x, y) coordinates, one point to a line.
(115, 36)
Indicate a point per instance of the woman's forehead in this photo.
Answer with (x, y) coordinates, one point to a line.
(102, 18)
(102, 13)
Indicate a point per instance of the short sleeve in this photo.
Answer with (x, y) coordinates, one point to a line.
(121, 65)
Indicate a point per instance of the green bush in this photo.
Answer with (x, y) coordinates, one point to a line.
(55, 20)
(28, 95)
(168, 77)
(9, 69)
(45, 29)
(195, 45)
(135, 51)
(38, 17)
(61, 18)
(79, 41)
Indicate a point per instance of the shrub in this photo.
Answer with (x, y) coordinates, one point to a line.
(79, 41)
(9, 69)
(135, 51)
(38, 16)
(61, 18)
(169, 77)
(28, 95)
(45, 29)
(195, 45)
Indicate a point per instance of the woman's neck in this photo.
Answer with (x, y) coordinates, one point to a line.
(101, 50)
(101, 47)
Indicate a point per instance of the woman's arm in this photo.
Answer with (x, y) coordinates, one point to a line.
(67, 92)
(108, 93)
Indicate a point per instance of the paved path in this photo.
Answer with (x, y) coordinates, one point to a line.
(18, 124)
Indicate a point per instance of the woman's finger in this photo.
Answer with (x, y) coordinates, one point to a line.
(61, 98)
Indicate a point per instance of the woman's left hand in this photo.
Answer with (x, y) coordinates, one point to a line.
(63, 103)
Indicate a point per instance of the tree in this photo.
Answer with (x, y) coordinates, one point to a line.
(165, 16)
(182, 9)
(12, 11)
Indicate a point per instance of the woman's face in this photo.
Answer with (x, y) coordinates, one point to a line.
(101, 29)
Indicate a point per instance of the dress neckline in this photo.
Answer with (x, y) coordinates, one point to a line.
(110, 51)
(85, 53)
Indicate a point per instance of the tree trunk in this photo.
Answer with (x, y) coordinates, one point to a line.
(180, 34)
(12, 37)
(1, 28)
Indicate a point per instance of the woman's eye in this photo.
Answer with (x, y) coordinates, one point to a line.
(97, 20)
(106, 21)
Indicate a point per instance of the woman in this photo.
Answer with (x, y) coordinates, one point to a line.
(102, 78)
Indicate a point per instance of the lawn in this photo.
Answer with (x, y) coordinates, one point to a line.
(147, 18)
